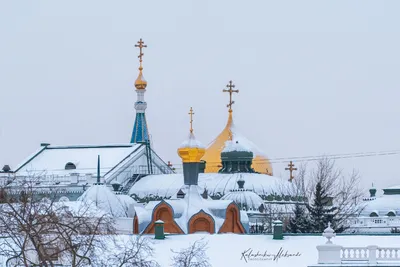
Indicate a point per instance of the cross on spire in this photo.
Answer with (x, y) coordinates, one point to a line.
(141, 45)
(291, 169)
(230, 85)
(191, 113)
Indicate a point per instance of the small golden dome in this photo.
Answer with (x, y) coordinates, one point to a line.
(140, 82)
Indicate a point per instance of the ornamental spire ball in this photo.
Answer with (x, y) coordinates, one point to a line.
(140, 82)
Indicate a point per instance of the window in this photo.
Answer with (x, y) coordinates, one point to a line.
(70, 166)
(391, 214)
(373, 214)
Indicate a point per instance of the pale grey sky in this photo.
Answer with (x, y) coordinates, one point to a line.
(315, 77)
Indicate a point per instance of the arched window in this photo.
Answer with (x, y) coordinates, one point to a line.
(391, 214)
(70, 166)
(373, 214)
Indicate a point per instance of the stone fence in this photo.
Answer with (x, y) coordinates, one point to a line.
(332, 255)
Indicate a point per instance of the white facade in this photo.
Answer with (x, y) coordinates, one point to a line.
(379, 214)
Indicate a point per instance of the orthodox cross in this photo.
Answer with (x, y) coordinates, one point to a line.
(230, 91)
(141, 45)
(291, 169)
(191, 113)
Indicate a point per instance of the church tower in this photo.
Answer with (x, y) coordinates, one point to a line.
(212, 157)
(140, 133)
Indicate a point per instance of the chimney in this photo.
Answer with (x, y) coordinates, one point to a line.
(180, 194)
(6, 168)
(372, 192)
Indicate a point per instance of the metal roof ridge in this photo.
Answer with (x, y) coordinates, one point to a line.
(111, 145)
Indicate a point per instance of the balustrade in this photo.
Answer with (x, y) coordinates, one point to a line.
(330, 253)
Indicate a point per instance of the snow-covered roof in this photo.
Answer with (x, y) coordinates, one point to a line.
(144, 214)
(77, 163)
(231, 146)
(393, 187)
(246, 143)
(184, 209)
(382, 205)
(103, 198)
(79, 208)
(191, 142)
(216, 183)
(53, 159)
(244, 198)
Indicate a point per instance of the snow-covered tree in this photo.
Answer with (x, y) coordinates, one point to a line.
(43, 232)
(331, 195)
(321, 210)
(193, 256)
(133, 252)
(328, 195)
(299, 222)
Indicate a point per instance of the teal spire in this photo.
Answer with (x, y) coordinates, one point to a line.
(140, 133)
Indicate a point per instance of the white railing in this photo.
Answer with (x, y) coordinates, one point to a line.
(376, 221)
(370, 254)
(388, 254)
(330, 254)
(354, 254)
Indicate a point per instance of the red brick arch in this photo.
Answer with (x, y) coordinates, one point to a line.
(201, 222)
(232, 222)
(164, 212)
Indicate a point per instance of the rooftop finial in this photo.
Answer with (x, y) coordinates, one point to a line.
(140, 82)
(141, 45)
(230, 85)
(191, 113)
(240, 182)
(291, 169)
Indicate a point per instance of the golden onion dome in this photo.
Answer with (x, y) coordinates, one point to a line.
(191, 150)
(212, 156)
(140, 82)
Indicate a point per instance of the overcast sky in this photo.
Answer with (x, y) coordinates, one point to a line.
(315, 77)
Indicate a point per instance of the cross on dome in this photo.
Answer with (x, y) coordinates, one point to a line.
(141, 45)
(191, 113)
(140, 82)
(230, 85)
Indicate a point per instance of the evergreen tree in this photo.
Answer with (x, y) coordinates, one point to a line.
(321, 211)
(299, 222)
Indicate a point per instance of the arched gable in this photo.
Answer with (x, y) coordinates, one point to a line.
(232, 223)
(163, 211)
(201, 222)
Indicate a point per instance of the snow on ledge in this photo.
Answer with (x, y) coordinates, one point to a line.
(191, 142)
(231, 146)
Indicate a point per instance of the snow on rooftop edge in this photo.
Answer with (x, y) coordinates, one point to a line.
(191, 142)
(231, 146)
